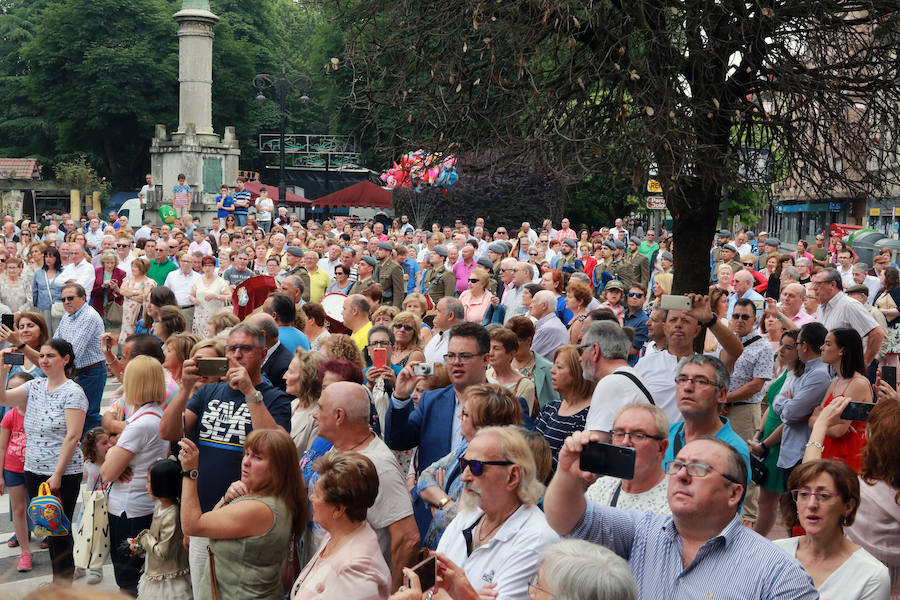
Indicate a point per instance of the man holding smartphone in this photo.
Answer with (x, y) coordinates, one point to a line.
(702, 550)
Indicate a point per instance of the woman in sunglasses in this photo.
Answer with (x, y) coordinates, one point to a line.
(407, 341)
(476, 299)
(439, 485)
(824, 497)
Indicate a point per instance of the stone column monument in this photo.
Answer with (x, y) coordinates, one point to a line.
(194, 148)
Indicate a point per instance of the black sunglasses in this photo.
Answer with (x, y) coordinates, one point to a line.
(743, 317)
(477, 466)
(404, 326)
(474, 280)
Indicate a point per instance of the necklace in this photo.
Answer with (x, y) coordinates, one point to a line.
(483, 537)
(360, 443)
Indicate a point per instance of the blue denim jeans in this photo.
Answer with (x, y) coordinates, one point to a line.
(92, 381)
(240, 219)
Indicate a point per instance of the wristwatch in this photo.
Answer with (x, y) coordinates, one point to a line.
(254, 398)
(193, 474)
(711, 322)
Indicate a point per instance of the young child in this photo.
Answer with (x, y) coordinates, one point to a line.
(166, 573)
(94, 446)
(12, 462)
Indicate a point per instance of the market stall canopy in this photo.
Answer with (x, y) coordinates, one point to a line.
(362, 194)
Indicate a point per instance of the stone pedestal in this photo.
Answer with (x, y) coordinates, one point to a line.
(194, 148)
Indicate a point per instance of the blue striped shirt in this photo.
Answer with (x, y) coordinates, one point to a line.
(737, 564)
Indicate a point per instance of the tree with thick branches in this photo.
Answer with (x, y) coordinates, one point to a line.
(693, 90)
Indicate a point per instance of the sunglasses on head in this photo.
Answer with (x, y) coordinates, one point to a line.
(476, 467)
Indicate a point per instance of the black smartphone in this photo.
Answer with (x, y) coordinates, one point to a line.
(889, 376)
(607, 459)
(426, 571)
(857, 411)
(9, 320)
(13, 358)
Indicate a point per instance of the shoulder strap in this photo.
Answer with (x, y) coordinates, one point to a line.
(751, 340)
(615, 498)
(638, 383)
(678, 444)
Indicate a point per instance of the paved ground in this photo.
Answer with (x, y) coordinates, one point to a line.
(14, 584)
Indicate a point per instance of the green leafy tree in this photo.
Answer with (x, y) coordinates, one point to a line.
(690, 88)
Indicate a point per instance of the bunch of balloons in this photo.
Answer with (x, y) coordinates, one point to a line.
(419, 168)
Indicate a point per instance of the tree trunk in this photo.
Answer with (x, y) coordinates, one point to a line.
(694, 216)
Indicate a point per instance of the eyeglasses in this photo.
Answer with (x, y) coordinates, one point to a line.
(68, 298)
(474, 280)
(696, 469)
(742, 317)
(460, 358)
(477, 466)
(582, 348)
(804, 496)
(122, 245)
(533, 583)
(532, 254)
(618, 435)
(635, 295)
(696, 380)
(749, 264)
(404, 326)
(234, 348)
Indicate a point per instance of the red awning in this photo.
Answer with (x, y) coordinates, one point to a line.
(291, 198)
(362, 194)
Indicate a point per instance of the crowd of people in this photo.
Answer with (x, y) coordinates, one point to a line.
(406, 395)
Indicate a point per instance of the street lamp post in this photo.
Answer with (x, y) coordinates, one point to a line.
(282, 83)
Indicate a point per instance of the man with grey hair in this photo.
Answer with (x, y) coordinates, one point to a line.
(702, 548)
(583, 277)
(220, 416)
(448, 312)
(861, 277)
(124, 245)
(604, 359)
(277, 357)
(550, 333)
(646, 429)
(78, 270)
(107, 243)
(836, 309)
(343, 418)
(499, 533)
(743, 288)
(514, 275)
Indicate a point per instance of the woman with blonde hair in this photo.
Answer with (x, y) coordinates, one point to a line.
(662, 285)
(384, 315)
(341, 345)
(127, 463)
(476, 299)
(302, 382)
(407, 343)
(222, 322)
(135, 290)
(417, 303)
(257, 517)
(177, 349)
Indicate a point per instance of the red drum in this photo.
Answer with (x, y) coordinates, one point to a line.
(333, 304)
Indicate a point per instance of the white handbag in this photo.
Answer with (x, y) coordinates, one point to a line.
(91, 531)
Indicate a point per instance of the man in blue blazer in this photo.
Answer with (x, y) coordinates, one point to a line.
(434, 426)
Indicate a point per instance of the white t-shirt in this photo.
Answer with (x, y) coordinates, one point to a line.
(861, 577)
(45, 425)
(658, 372)
(654, 500)
(393, 502)
(141, 438)
(612, 394)
(264, 208)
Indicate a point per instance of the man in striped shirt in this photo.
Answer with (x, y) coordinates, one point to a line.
(241, 202)
(702, 550)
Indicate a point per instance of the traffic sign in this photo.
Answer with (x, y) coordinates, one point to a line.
(654, 186)
(656, 203)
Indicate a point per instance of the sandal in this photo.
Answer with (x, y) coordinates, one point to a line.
(44, 544)
(13, 542)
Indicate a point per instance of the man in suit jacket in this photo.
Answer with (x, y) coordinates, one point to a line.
(278, 358)
(640, 262)
(434, 425)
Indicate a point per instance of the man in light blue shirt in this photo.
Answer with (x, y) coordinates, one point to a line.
(743, 288)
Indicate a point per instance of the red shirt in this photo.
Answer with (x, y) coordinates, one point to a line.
(15, 450)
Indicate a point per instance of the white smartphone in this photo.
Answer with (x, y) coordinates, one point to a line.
(673, 302)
